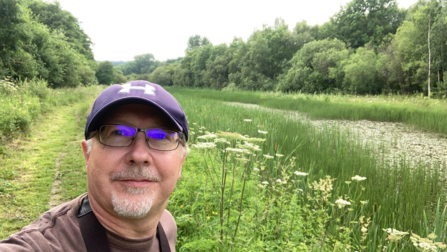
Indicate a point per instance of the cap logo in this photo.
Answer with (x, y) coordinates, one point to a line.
(125, 89)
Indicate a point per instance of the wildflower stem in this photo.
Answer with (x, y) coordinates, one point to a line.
(222, 194)
(230, 197)
(240, 201)
(210, 174)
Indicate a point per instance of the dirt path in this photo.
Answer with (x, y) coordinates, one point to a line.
(394, 140)
(55, 198)
(34, 163)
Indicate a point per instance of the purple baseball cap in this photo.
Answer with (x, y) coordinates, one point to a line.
(141, 92)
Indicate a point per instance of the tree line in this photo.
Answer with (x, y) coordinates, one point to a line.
(367, 47)
(40, 40)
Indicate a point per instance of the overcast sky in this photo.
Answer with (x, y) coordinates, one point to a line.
(121, 29)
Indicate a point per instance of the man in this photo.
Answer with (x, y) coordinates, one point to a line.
(134, 148)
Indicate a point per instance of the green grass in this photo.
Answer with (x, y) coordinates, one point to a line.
(221, 203)
(398, 194)
(425, 114)
(28, 164)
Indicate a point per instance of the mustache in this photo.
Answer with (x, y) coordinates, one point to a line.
(136, 172)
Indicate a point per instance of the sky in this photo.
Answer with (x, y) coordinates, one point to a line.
(122, 29)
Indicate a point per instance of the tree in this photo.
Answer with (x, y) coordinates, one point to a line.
(304, 34)
(361, 76)
(316, 67)
(15, 61)
(365, 21)
(216, 75)
(105, 73)
(424, 21)
(164, 74)
(195, 42)
(145, 63)
(52, 15)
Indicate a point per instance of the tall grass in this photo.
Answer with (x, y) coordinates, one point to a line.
(303, 190)
(430, 115)
(224, 203)
(22, 102)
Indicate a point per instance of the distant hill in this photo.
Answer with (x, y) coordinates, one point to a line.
(117, 63)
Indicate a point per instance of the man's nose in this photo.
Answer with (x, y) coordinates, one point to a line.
(139, 151)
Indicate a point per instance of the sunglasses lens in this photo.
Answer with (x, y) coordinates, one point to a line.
(116, 135)
(162, 139)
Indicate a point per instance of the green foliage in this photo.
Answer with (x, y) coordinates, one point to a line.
(316, 67)
(22, 102)
(164, 74)
(196, 42)
(41, 50)
(365, 21)
(230, 199)
(417, 111)
(142, 64)
(314, 59)
(120, 78)
(269, 192)
(52, 16)
(411, 46)
(361, 76)
(39, 39)
(105, 73)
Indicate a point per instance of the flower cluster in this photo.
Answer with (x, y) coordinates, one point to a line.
(427, 244)
(394, 234)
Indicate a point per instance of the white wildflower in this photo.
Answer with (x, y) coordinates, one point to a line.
(341, 203)
(394, 234)
(358, 178)
(237, 150)
(262, 132)
(221, 140)
(278, 181)
(394, 231)
(265, 183)
(268, 156)
(279, 155)
(208, 136)
(205, 145)
(256, 169)
(250, 146)
(242, 137)
(301, 173)
(248, 120)
(242, 159)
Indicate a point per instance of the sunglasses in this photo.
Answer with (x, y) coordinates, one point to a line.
(116, 135)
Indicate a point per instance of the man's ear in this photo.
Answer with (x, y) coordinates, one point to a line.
(181, 165)
(84, 150)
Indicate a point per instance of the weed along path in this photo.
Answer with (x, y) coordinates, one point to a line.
(35, 165)
(396, 141)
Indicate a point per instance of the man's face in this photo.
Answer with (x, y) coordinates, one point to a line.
(130, 181)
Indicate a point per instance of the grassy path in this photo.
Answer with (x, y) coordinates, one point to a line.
(34, 168)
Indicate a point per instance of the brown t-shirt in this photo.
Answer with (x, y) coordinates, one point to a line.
(58, 230)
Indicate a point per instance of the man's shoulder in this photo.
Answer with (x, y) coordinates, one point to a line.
(54, 228)
(170, 228)
(51, 218)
